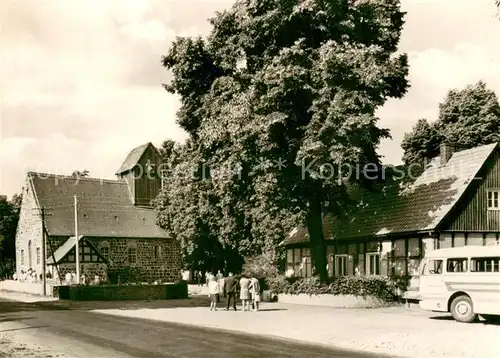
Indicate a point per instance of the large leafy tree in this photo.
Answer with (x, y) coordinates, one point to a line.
(9, 217)
(286, 91)
(468, 117)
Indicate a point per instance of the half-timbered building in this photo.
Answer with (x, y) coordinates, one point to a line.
(454, 202)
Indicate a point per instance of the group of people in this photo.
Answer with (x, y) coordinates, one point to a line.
(228, 287)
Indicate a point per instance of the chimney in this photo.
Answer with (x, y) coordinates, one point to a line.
(446, 151)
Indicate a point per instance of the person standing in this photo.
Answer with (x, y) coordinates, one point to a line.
(219, 275)
(222, 286)
(213, 293)
(230, 288)
(255, 292)
(245, 292)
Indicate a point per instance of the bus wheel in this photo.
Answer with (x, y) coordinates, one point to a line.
(462, 309)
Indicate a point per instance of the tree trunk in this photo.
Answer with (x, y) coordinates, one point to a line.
(316, 238)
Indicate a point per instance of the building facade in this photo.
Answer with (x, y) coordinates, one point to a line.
(454, 202)
(119, 240)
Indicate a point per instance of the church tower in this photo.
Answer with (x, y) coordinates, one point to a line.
(140, 171)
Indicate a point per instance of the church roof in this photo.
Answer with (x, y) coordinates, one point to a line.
(105, 207)
(133, 158)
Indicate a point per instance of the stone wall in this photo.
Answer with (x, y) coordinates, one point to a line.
(29, 230)
(157, 259)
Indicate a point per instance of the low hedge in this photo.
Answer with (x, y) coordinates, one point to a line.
(361, 286)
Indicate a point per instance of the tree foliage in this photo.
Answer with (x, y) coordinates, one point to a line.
(80, 174)
(468, 117)
(9, 217)
(279, 102)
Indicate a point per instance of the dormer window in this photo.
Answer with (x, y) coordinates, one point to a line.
(494, 199)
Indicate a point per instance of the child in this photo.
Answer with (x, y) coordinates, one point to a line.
(213, 292)
(255, 293)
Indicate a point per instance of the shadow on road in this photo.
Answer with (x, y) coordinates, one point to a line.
(442, 318)
(491, 322)
(195, 301)
(20, 329)
(4, 318)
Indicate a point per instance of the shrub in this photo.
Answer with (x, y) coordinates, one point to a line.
(260, 266)
(361, 286)
(7, 269)
(278, 284)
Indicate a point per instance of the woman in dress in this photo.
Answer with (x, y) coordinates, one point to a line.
(245, 292)
(213, 292)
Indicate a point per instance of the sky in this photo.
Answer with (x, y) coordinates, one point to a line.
(81, 79)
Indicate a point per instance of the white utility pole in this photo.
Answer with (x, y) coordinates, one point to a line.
(77, 248)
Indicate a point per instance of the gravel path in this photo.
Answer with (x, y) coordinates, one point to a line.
(396, 330)
(11, 349)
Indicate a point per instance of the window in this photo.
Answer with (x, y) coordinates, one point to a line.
(38, 256)
(132, 255)
(373, 264)
(399, 258)
(105, 252)
(29, 254)
(433, 267)
(456, 265)
(485, 264)
(361, 264)
(413, 265)
(414, 257)
(22, 257)
(414, 247)
(329, 256)
(298, 262)
(494, 199)
(297, 258)
(157, 252)
(340, 265)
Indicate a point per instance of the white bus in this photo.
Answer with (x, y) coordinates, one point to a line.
(464, 281)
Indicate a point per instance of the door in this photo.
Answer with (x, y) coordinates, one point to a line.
(432, 286)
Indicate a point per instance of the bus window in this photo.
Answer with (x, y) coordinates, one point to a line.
(456, 265)
(485, 264)
(433, 267)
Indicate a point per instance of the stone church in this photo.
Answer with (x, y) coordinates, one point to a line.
(118, 238)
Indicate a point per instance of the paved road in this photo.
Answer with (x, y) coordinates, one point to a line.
(106, 335)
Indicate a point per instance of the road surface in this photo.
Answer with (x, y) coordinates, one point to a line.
(70, 329)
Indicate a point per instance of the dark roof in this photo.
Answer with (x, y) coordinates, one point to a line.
(105, 208)
(133, 158)
(398, 206)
